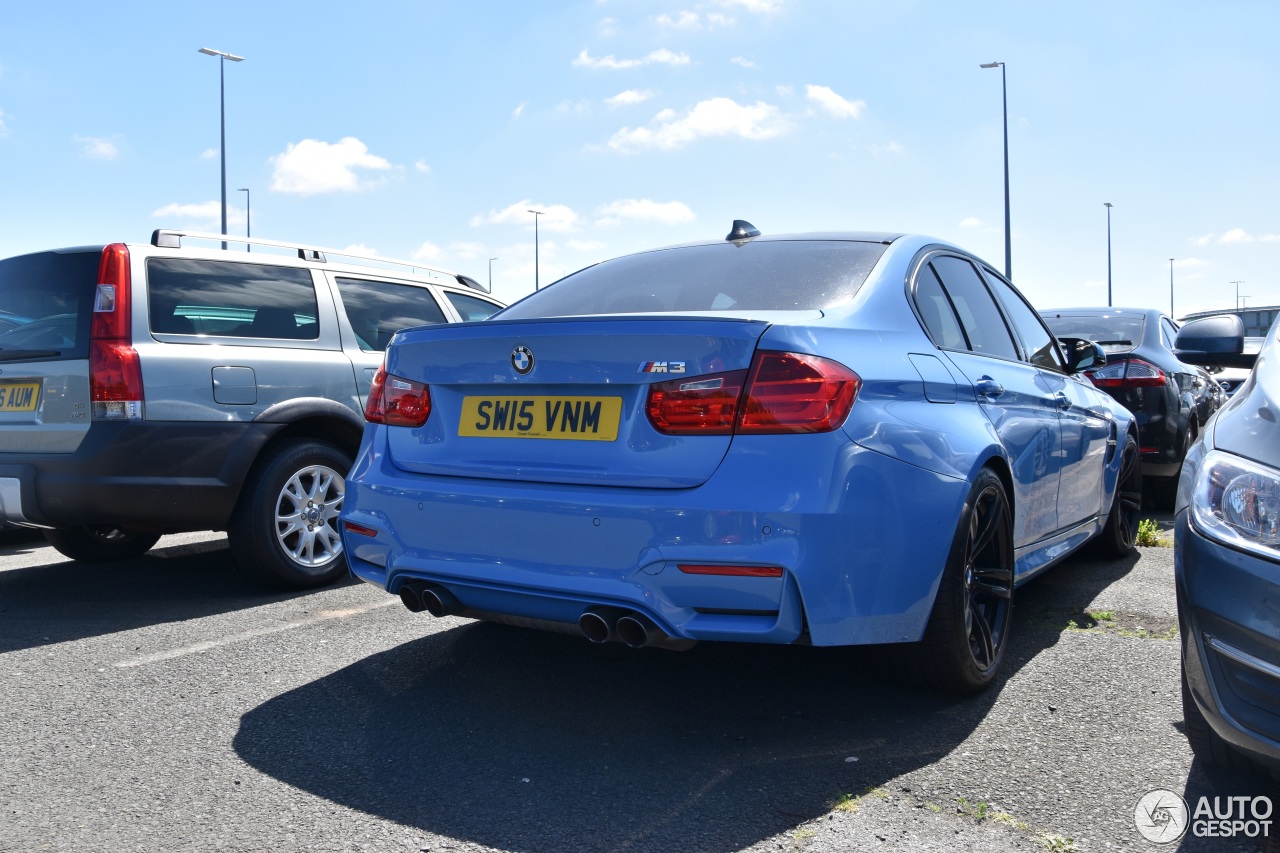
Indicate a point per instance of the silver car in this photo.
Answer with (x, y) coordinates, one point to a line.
(151, 388)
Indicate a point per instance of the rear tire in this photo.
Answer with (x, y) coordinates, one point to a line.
(100, 543)
(285, 527)
(969, 626)
(1121, 531)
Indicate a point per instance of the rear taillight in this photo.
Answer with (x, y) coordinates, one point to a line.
(780, 393)
(115, 373)
(1128, 373)
(395, 401)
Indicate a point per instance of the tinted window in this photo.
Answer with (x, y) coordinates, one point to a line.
(45, 303)
(1042, 349)
(189, 296)
(757, 276)
(1168, 332)
(379, 309)
(935, 308)
(981, 319)
(1116, 333)
(470, 307)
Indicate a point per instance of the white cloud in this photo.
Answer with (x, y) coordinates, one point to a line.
(360, 249)
(97, 147)
(608, 27)
(1202, 240)
(422, 166)
(555, 217)
(1235, 236)
(1269, 238)
(680, 20)
(1188, 263)
(206, 214)
(567, 106)
(4, 128)
(834, 104)
(585, 245)
(518, 110)
(428, 251)
(629, 97)
(713, 117)
(208, 153)
(887, 148)
(661, 56)
(688, 20)
(666, 212)
(971, 222)
(312, 167)
(743, 61)
(468, 251)
(758, 7)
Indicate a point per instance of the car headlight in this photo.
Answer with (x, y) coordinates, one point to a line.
(1237, 502)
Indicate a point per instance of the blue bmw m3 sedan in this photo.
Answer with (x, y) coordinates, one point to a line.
(829, 438)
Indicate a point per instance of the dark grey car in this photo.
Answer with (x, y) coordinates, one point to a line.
(157, 388)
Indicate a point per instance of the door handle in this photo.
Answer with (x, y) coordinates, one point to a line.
(1062, 400)
(988, 387)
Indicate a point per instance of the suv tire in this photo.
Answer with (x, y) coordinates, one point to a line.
(100, 543)
(285, 527)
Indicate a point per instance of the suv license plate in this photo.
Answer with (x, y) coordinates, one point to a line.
(19, 397)
(578, 418)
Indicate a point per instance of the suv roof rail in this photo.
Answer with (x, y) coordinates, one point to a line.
(163, 238)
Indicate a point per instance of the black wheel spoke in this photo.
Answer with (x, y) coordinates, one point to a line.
(984, 647)
(988, 525)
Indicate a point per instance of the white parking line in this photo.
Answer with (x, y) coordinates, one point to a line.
(196, 648)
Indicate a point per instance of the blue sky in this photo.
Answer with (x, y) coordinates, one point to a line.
(427, 129)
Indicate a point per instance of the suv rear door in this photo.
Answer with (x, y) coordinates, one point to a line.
(46, 300)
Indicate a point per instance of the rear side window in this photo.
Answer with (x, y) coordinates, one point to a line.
(379, 309)
(470, 307)
(1042, 349)
(45, 304)
(199, 297)
(763, 275)
(983, 324)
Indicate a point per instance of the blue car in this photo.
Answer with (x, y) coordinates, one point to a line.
(833, 439)
(1227, 559)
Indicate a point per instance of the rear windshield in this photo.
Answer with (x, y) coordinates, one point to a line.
(772, 275)
(45, 302)
(1116, 333)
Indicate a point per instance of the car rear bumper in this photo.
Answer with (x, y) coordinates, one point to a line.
(859, 554)
(148, 475)
(1229, 618)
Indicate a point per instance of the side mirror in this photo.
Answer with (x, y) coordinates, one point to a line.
(1083, 354)
(1216, 341)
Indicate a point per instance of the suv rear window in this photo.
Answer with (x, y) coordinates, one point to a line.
(768, 275)
(379, 309)
(198, 297)
(45, 302)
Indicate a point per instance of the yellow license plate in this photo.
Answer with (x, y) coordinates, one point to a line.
(579, 418)
(19, 397)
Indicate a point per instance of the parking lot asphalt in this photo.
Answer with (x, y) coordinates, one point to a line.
(167, 703)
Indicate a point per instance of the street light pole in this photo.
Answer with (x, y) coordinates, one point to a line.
(1108, 206)
(536, 214)
(222, 107)
(1004, 100)
(491, 260)
(1171, 289)
(248, 222)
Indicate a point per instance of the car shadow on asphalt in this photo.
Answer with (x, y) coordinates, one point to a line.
(68, 600)
(532, 741)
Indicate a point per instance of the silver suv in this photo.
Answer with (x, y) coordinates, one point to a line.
(156, 388)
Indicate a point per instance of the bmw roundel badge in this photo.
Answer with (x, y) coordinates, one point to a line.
(522, 360)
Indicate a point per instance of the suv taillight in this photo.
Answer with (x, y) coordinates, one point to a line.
(115, 374)
(395, 401)
(1128, 373)
(781, 393)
